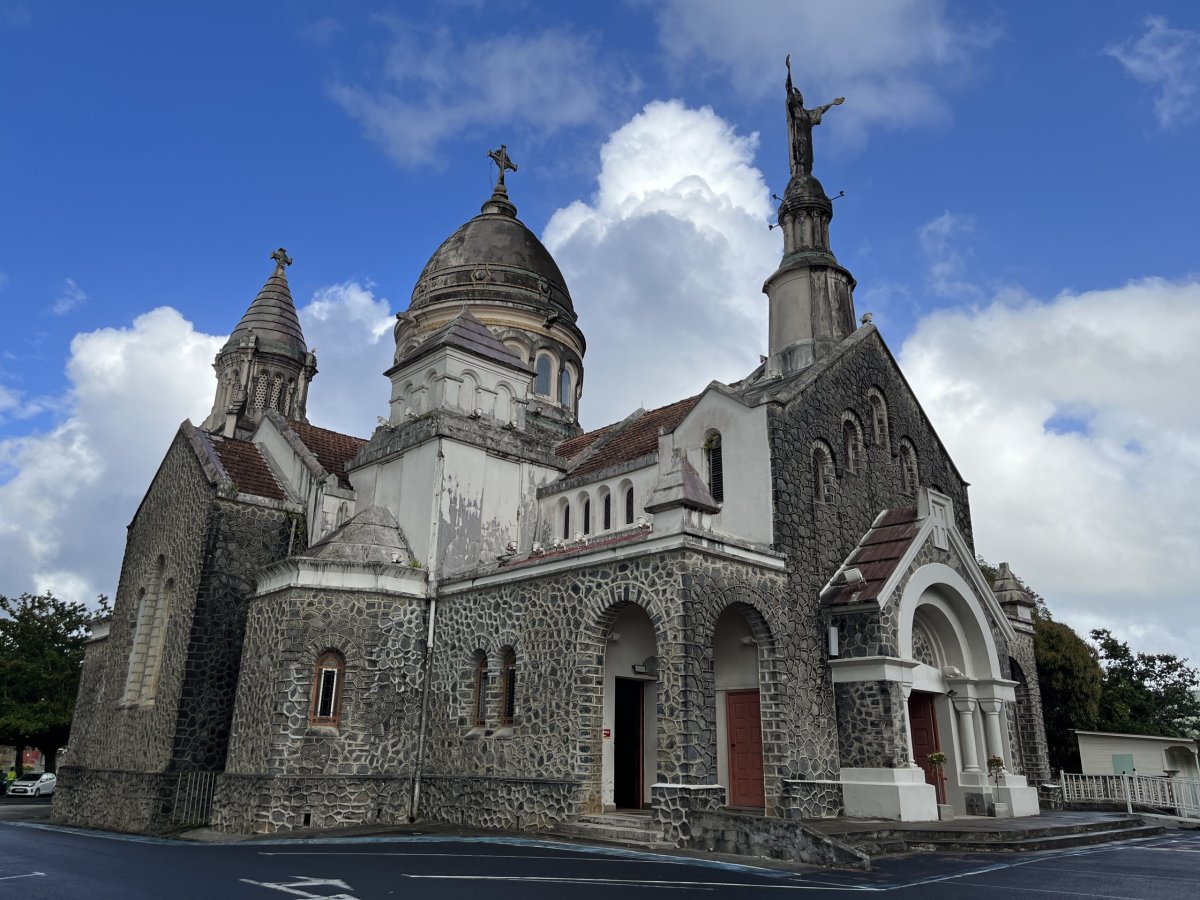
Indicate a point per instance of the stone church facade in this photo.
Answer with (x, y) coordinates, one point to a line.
(763, 598)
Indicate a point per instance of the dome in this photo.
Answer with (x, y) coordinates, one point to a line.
(494, 258)
(272, 319)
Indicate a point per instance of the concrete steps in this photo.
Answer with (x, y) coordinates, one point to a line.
(619, 829)
(881, 841)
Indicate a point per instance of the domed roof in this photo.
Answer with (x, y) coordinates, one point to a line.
(494, 257)
(272, 316)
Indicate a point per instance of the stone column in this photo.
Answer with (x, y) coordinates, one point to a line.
(991, 727)
(965, 708)
(906, 692)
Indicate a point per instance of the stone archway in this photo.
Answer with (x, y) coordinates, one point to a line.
(630, 711)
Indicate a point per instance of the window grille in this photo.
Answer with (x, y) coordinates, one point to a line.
(908, 466)
(716, 467)
(823, 474)
(508, 692)
(260, 390)
(479, 698)
(276, 392)
(328, 677)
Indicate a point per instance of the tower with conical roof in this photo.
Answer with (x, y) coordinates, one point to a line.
(265, 364)
(811, 296)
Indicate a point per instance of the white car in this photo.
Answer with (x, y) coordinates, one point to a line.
(34, 784)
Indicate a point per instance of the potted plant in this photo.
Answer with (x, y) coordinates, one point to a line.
(937, 761)
(995, 766)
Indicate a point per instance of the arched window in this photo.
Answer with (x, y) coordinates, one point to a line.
(606, 512)
(276, 392)
(260, 390)
(566, 521)
(564, 389)
(852, 445)
(157, 642)
(879, 419)
(541, 380)
(508, 686)
(714, 462)
(587, 516)
(479, 691)
(286, 406)
(823, 474)
(141, 639)
(629, 505)
(329, 674)
(908, 466)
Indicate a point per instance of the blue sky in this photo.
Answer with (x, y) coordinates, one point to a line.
(1019, 213)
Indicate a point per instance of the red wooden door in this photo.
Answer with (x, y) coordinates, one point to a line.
(925, 739)
(744, 728)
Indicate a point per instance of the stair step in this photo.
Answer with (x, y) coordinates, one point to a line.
(636, 831)
(1037, 842)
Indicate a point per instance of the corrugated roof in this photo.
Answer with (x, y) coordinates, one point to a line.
(331, 448)
(243, 462)
(624, 441)
(877, 555)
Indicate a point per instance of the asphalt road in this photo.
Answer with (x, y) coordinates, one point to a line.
(41, 861)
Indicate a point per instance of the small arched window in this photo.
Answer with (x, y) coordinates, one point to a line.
(879, 419)
(141, 640)
(261, 387)
(286, 406)
(564, 389)
(508, 686)
(566, 521)
(606, 513)
(823, 474)
(157, 643)
(587, 516)
(329, 673)
(276, 393)
(629, 505)
(908, 466)
(479, 691)
(715, 464)
(541, 380)
(852, 444)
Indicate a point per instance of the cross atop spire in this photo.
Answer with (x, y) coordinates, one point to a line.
(503, 162)
(281, 260)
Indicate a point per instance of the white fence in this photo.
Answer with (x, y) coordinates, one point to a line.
(1172, 796)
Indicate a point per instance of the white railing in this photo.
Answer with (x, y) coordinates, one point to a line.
(1174, 796)
(193, 798)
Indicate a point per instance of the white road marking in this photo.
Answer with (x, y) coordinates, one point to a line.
(1024, 889)
(295, 888)
(631, 882)
(26, 875)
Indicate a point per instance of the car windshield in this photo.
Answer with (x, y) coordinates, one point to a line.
(28, 777)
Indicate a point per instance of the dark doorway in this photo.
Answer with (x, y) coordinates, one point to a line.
(925, 739)
(628, 719)
(744, 727)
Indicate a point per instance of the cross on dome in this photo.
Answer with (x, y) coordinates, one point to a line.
(503, 162)
(281, 259)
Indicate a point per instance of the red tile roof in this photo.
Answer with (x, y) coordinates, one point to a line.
(243, 462)
(624, 442)
(877, 555)
(331, 448)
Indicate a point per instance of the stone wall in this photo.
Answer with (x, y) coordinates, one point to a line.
(261, 804)
(114, 800)
(817, 536)
(1029, 744)
(870, 725)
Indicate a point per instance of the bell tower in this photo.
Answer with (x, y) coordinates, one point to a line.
(265, 364)
(811, 296)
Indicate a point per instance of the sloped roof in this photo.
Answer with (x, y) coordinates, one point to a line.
(625, 441)
(465, 332)
(244, 464)
(877, 555)
(573, 549)
(331, 448)
(681, 485)
(372, 536)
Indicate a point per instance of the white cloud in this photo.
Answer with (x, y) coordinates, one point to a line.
(889, 58)
(945, 257)
(1074, 421)
(666, 262)
(1169, 59)
(67, 493)
(70, 299)
(433, 88)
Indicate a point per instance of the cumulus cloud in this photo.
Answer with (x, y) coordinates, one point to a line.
(665, 263)
(889, 58)
(70, 298)
(1071, 419)
(433, 87)
(67, 493)
(1168, 59)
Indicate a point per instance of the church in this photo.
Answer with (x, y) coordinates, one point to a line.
(751, 608)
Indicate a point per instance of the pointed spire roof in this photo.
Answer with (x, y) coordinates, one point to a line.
(272, 316)
(372, 536)
(1009, 590)
(681, 485)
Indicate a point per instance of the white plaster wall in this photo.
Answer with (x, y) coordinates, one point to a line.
(550, 518)
(746, 510)
(1149, 754)
(403, 485)
(462, 382)
(735, 667)
(635, 643)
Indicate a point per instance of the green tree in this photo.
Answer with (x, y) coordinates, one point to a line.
(1070, 679)
(41, 654)
(1146, 693)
